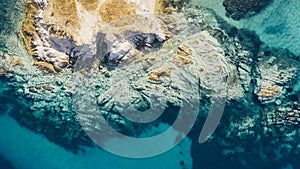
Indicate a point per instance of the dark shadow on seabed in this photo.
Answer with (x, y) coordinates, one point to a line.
(4, 164)
(8, 103)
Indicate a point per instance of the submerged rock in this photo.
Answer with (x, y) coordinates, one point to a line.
(278, 70)
(157, 62)
(237, 9)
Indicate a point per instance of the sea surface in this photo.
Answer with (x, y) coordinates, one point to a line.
(278, 25)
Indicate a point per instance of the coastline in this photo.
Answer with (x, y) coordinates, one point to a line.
(263, 102)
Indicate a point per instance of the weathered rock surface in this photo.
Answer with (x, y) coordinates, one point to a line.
(49, 45)
(130, 44)
(278, 70)
(53, 44)
(157, 62)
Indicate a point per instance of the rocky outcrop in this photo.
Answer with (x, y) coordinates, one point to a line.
(130, 44)
(153, 80)
(40, 99)
(49, 45)
(167, 6)
(277, 74)
(267, 115)
(237, 9)
(144, 61)
(53, 46)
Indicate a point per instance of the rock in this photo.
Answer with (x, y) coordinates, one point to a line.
(144, 40)
(276, 74)
(18, 62)
(208, 56)
(167, 6)
(48, 42)
(3, 71)
(118, 50)
(158, 62)
(157, 74)
(120, 10)
(184, 50)
(182, 60)
(287, 113)
(268, 91)
(41, 3)
(10, 63)
(45, 67)
(129, 45)
(237, 9)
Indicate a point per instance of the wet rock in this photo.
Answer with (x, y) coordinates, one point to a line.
(158, 77)
(160, 70)
(9, 63)
(268, 91)
(276, 74)
(201, 17)
(167, 6)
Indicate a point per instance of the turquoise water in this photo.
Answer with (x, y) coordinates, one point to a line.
(278, 26)
(27, 150)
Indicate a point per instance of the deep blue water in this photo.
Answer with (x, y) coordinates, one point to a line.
(21, 148)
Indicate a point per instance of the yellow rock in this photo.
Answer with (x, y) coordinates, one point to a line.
(65, 11)
(18, 62)
(45, 67)
(36, 89)
(183, 55)
(89, 5)
(28, 33)
(157, 74)
(2, 70)
(163, 6)
(182, 60)
(268, 91)
(184, 50)
(115, 9)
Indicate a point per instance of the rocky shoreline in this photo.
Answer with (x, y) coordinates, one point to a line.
(157, 54)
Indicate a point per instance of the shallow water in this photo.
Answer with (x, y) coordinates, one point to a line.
(278, 26)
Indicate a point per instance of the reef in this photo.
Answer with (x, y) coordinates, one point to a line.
(237, 10)
(76, 72)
